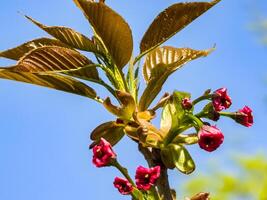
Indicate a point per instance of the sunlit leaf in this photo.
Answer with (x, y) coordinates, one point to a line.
(19, 51)
(54, 81)
(166, 157)
(111, 131)
(52, 59)
(68, 36)
(78, 4)
(171, 21)
(86, 73)
(182, 159)
(186, 139)
(112, 29)
(160, 64)
(127, 107)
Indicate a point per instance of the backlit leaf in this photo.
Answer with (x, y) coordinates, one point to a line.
(112, 29)
(54, 81)
(68, 36)
(182, 159)
(160, 64)
(109, 131)
(127, 107)
(171, 21)
(19, 51)
(52, 59)
(87, 73)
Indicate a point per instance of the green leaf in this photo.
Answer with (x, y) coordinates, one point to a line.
(68, 36)
(166, 157)
(173, 112)
(112, 29)
(171, 21)
(169, 117)
(54, 81)
(19, 51)
(110, 131)
(182, 159)
(52, 59)
(160, 64)
(188, 139)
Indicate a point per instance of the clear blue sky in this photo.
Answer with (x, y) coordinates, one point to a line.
(45, 133)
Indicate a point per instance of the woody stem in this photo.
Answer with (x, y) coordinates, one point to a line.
(162, 184)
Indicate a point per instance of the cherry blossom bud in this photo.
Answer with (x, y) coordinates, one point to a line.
(221, 100)
(103, 153)
(210, 138)
(123, 185)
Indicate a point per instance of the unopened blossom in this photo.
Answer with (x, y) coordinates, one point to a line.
(103, 153)
(187, 104)
(221, 100)
(210, 138)
(244, 116)
(146, 177)
(123, 185)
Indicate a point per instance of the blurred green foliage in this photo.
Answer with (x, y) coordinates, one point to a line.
(246, 181)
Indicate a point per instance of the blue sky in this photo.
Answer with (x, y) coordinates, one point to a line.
(45, 133)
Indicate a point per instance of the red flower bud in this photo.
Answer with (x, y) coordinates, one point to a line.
(210, 138)
(221, 100)
(103, 153)
(123, 185)
(146, 177)
(244, 116)
(187, 104)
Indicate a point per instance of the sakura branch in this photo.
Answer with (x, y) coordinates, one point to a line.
(59, 63)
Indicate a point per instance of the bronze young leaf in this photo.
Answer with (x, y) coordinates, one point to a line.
(111, 131)
(112, 29)
(51, 59)
(19, 51)
(68, 36)
(54, 81)
(160, 64)
(171, 21)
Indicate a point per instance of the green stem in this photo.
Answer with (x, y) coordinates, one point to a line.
(227, 114)
(155, 192)
(201, 114)
(202, 98)
(172, 134)
(196, 120)
(124, 171)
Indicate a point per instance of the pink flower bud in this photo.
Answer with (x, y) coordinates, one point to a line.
(187, 104)
(146, 177)
(210, 138)
(123, 185)
(103, 153)
(244, 116)
(221, 100)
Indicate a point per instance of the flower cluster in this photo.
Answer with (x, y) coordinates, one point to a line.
(210, 137)
(145, 178)
(177, 106)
